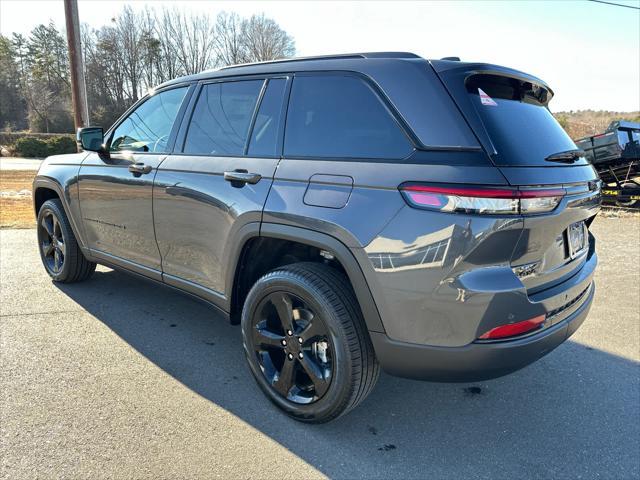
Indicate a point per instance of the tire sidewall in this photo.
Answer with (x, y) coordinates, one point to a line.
(339, 388)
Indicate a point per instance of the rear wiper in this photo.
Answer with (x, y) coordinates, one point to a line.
(569, 156)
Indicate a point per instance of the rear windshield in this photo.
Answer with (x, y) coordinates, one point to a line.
(515, 115)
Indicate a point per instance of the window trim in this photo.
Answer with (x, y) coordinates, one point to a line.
(382, 98)
(174, 128)
(178, 148)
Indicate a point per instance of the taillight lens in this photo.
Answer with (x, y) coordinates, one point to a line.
(486, 200)
(513, 329)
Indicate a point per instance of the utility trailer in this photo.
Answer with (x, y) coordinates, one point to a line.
(615, 154)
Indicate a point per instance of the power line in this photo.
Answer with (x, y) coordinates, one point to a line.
(614, 4)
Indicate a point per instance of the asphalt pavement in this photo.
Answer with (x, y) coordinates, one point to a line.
(120, 378)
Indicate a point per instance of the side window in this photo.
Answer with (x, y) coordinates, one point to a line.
(264, 137)
(341, 116)
(222, 117)
(148, 127)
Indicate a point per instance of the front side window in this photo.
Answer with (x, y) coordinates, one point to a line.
(222, 117)
(340, 116)
(148, 127)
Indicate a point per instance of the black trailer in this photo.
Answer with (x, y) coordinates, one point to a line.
(615, 154)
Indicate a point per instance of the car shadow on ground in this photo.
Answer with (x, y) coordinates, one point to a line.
(573, 413)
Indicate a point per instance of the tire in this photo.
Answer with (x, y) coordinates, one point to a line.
(59, 251)
(328, 336)
(629, 203)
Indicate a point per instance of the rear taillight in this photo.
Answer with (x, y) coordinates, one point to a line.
(514, 329)
(486, 200)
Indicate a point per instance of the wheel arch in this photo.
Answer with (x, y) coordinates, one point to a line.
(251, 233)
(44, 189)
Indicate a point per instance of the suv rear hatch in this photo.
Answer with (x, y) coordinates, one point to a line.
(507, 111)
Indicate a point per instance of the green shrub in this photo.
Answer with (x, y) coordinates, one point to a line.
(31, 147)
(61, 145)
(35, 147)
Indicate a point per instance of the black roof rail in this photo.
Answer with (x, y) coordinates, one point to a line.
(340, 56)
(451, 59)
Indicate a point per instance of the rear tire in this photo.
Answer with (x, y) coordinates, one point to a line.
(313, 310)
(61, 256)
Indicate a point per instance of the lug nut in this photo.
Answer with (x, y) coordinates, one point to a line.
(284, 343)
(289, 332)
(290, 356)
(299, 340)
(300, 355)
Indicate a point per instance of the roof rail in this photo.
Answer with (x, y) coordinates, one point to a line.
(341, 56)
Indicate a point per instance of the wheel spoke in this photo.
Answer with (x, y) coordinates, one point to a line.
(264, 338)
(48, 226)
(284, 380)
(315, 373)
(56, 260)
(282, 303)
(311, 331)
(47, 248)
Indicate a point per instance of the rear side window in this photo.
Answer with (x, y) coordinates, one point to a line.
(264, 136)
(222, 117)
(340, 116)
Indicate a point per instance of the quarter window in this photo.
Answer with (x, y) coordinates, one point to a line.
(148, 128)
(222, 117)
(341, 116)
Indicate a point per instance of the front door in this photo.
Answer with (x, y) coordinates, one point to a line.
(217, 180)
(116, 189)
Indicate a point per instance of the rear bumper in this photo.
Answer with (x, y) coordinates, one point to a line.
(476, 361)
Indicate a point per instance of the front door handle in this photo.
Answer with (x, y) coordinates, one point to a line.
(139, 168)
(239, 178)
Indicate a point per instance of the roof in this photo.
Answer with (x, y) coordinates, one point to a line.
(346, 61)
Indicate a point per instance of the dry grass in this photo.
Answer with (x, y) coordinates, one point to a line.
(16, 207)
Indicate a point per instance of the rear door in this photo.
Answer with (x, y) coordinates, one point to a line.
(116, 189)
(509, 113)
(217, 179)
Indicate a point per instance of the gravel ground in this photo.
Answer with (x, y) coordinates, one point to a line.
(117, 377)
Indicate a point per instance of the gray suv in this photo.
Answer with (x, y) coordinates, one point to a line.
(350, 212)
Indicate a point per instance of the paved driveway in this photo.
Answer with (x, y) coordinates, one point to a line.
(17, 163)
(117, 377)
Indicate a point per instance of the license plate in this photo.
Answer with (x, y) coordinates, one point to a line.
(577, 235)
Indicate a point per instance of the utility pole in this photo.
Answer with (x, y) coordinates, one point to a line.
(78, 86)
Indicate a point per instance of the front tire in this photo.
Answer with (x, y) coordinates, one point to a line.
(61, 256)
(306, 342)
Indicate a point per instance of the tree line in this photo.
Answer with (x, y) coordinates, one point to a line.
(123, 60)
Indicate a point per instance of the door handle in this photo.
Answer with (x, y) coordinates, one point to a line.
(239, 178)
(139, 168)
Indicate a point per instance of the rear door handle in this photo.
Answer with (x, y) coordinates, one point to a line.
(139, 168)
(239, 178)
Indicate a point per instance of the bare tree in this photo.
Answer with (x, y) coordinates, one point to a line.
(229, 46)
(191, 36)
(264, 39)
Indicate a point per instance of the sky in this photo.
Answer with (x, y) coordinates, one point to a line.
(589, 53)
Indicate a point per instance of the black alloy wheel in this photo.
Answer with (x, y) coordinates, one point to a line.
(292, 346)
(52, 243)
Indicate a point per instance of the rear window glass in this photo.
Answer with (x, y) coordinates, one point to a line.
(339, 116)
(514, 113)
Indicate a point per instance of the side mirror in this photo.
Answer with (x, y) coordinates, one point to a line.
(90, 139)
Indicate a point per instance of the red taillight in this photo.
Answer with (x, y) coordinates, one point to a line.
(513, 329)
(488, 200)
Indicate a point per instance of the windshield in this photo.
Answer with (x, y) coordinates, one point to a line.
(514, 113)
